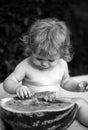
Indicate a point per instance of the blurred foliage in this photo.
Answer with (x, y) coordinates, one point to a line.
(16, 16)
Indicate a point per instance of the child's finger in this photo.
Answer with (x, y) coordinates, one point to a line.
(26, 93)
(18, 95)
(87, 88)
(83, 86)
(21, 94)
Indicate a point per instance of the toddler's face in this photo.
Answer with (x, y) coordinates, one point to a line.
(44, 63)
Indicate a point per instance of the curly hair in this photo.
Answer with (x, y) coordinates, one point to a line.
(49, 37)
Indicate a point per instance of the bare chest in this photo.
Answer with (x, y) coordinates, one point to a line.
(44, 76)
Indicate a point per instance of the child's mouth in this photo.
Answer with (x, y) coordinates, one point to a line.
(45, 67)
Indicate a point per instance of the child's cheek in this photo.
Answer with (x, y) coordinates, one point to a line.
(54, 63)
(38, 63)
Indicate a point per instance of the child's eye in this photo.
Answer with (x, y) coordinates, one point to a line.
(39, 59)
(51, 60)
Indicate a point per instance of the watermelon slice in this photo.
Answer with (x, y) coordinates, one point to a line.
(42, 111)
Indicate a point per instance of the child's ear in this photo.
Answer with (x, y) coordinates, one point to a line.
(27, 52)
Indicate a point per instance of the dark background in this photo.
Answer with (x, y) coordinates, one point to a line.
(17, 15)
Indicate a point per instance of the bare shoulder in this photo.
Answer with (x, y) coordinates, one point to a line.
(63, 63)
(21, 66)
(23, 63)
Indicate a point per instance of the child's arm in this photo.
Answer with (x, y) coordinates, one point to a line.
(13, 80)
(70, 84)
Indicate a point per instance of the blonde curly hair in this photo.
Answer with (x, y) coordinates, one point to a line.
(49, 37)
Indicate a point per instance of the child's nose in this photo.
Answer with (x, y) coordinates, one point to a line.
(44, 63)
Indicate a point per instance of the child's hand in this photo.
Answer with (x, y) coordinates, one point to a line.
(23, 92)
(83, 86)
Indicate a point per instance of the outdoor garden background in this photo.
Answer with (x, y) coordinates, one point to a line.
(17, 15)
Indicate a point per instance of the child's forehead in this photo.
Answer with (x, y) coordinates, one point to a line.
(45, 57)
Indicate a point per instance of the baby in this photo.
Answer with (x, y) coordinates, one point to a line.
(46, 68)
